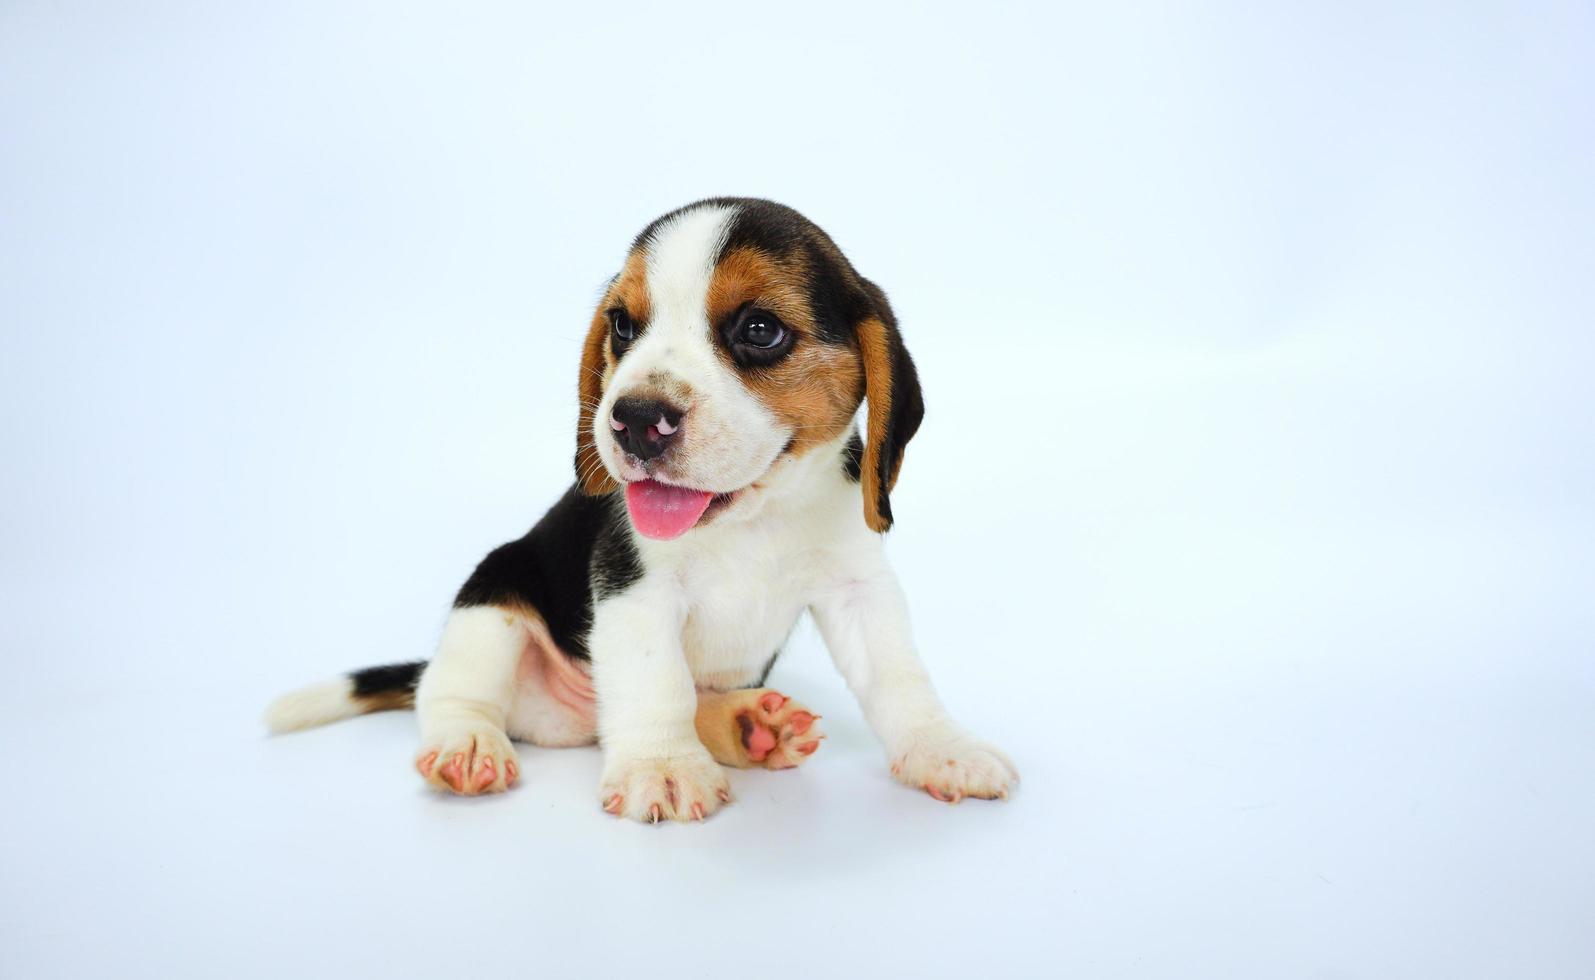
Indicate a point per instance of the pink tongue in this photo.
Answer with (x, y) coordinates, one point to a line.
(661, 511)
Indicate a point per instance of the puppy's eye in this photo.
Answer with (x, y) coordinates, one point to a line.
(622, 327)
(761, 330)
(756, 338)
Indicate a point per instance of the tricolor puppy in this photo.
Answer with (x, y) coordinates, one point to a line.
(719, 483)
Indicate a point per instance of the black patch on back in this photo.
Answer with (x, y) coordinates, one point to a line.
(385, 680)
(578, 552)
(853, 458)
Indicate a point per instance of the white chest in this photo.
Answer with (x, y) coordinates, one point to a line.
(742, 605)
(743, 585)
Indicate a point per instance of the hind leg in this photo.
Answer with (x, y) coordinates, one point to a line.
(464, 698)
(756, 727)
(554, 704)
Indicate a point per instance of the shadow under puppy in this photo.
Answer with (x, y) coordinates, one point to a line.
(719, 472)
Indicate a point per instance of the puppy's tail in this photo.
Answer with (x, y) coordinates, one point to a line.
(357, 693)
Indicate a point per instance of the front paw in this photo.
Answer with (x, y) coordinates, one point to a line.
(756, 727)
(688, 785)
(950, 764)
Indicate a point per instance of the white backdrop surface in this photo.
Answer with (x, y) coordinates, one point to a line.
(1252, 512)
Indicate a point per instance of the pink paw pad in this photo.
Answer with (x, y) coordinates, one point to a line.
(758, 740)
(777, 732)
(453, 772)
(940, 795)
(423, 765)
(486, 773)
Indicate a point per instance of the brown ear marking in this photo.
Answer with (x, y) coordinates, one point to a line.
(629, 291)
(896, 407)
(591, 475)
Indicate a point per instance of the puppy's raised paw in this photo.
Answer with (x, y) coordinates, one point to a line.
(950, 764)
(757, 727)
(688, 786)
(468, 759)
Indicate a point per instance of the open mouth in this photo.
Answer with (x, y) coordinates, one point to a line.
(663, 511)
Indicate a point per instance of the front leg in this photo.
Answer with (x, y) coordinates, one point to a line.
(654, 766)
(864, 620)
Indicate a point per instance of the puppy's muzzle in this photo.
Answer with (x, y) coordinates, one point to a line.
(645, 427)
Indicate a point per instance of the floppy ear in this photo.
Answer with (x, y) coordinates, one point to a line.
(891, 387)
(591, 476)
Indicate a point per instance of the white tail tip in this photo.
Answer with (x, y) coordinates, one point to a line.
(319, 704)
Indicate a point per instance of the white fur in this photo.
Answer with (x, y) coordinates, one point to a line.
(319, 704)
(473, 673)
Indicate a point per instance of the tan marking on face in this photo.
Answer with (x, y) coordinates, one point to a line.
(817, 387)
(629, 292)
(748, 275)
(815, 390)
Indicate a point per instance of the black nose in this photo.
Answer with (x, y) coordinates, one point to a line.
(644, 427)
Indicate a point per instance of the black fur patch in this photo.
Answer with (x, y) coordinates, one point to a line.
(386, 680)
(616, 564)
(853, 458)
(577, 553)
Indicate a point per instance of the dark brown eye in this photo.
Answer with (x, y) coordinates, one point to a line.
(762, 331)
(756, 338)
(621, 325)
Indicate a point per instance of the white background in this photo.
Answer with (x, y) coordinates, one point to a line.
(1252, 513)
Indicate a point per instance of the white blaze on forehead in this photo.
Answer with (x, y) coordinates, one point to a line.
(681, 258)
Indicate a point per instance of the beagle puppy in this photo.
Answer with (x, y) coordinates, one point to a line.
(722, 488)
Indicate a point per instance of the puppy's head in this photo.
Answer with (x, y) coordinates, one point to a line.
(735, 336)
